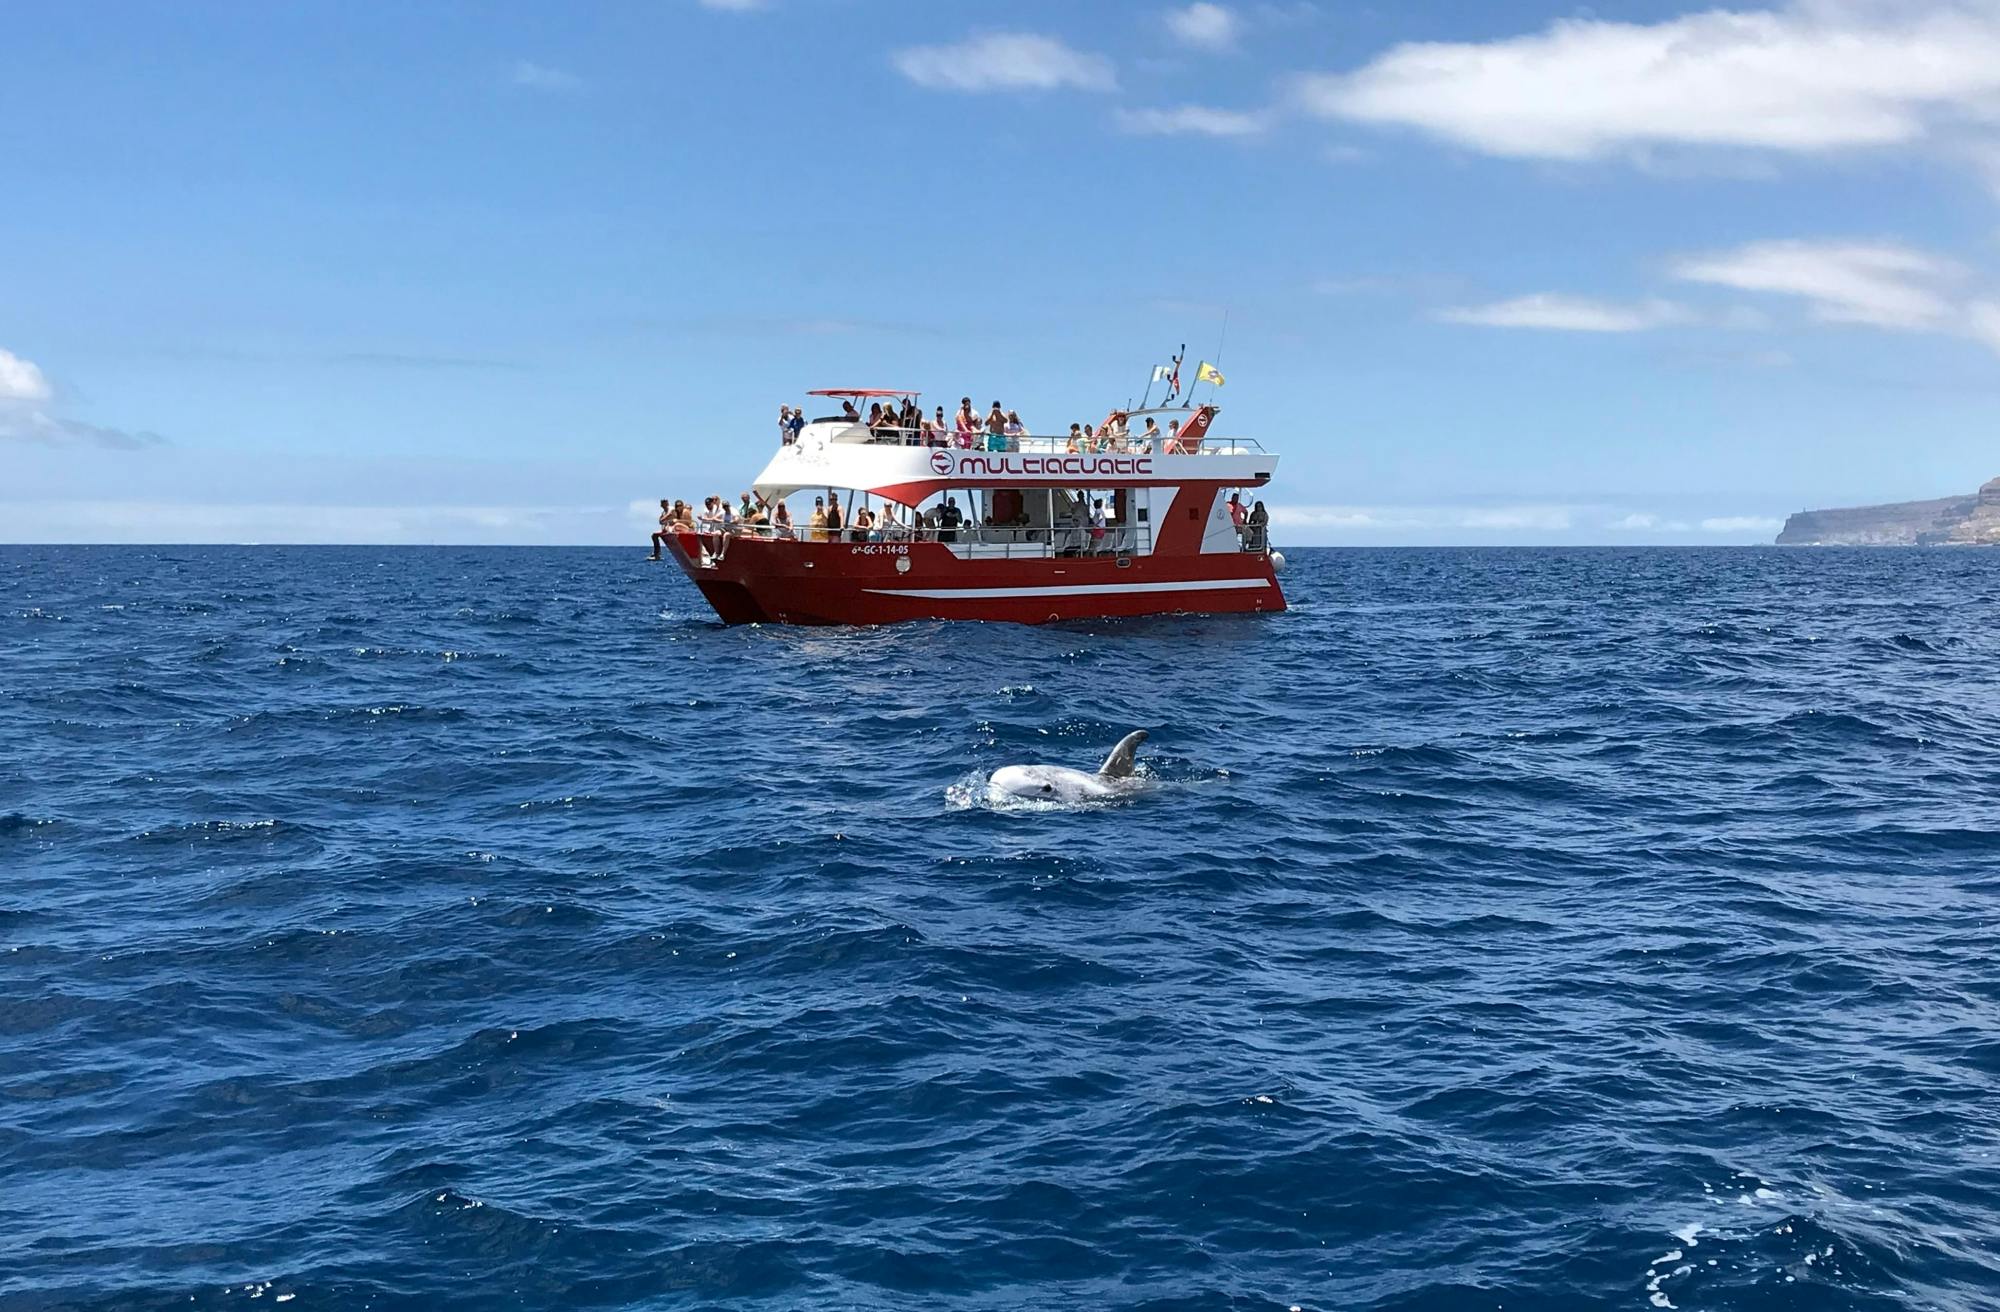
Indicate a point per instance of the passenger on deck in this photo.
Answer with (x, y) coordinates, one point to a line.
(781, 520)
(666, 527)
(948, 519)
(864, 524)
(1149, 441)
(1257, 529)
(1097, 526)
(816, 525)
(849, 413)
(931, 436)
(1076, 439)
(965, 424)
(911, 418)
(996, 428)
(1015, 430)
(1237, 514)
(798, 424)
(1089, 439)
(784, 425)
(1173, 437)
(834, 518)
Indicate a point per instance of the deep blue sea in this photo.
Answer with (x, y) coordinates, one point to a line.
(1510, 929)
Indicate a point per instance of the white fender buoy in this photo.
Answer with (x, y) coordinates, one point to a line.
(1277, 561)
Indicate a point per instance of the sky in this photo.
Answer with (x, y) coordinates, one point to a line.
(1483, 272)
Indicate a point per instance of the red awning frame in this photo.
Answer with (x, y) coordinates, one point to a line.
(863, 391)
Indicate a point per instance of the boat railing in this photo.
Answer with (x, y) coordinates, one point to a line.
(985, 539)
(1059, 444)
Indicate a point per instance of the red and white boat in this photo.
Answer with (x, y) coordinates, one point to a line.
(1028, 548)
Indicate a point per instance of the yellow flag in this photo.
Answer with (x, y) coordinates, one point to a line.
(1208, 373)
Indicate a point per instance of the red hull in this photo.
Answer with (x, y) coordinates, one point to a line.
(765, 581)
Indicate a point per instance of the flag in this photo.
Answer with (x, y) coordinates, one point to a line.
(1162, 372)
(1208, 373)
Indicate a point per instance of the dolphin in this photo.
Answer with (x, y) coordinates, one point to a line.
(1056, 783)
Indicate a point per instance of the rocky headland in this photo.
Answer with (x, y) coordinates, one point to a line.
(1972, 520)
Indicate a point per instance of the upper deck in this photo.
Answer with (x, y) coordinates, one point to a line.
(889, 462)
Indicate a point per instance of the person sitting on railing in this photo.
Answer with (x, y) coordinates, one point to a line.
(666, 527)
(816, 524)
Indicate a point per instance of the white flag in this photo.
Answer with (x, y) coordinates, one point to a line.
(1163, 373)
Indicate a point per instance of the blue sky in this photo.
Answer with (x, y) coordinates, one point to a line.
(1494, 272)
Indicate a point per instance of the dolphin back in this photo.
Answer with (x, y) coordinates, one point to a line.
(1119, 764)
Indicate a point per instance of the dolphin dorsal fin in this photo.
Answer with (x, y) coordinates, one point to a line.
(1118, 765)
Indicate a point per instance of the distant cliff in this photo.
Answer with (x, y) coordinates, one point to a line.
(1971, 520)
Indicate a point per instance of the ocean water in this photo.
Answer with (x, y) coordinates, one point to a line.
(387, 928)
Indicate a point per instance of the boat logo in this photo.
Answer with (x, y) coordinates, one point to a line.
(974, 464)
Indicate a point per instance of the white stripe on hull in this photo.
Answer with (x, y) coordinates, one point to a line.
(1072, 589)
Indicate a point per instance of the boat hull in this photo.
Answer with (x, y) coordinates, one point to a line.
(765, 581)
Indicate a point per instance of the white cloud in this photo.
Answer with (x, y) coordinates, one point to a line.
(1203, 26)
(1817, 75)
(1426, 519)
(25, 390)
(172, 521)
(1528, 521)
(1741, 524)
(540, 77)
(1198, 120)
(1881, 284)
(21, 380)
(1576, 314)
(1005, 61)
(1982, 320)
(27, 423)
